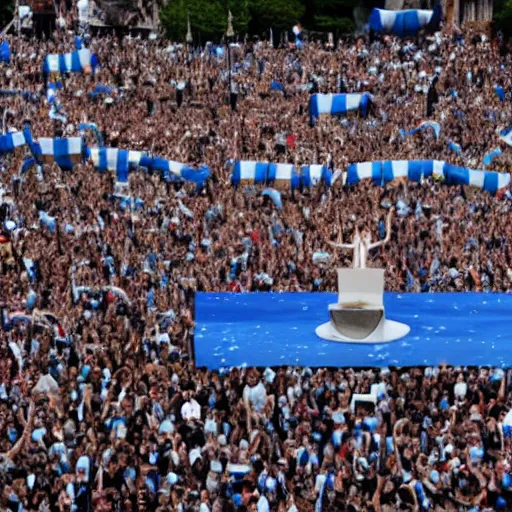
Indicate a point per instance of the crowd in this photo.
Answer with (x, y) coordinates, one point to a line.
(101, 407)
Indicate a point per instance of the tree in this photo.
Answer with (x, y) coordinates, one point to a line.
(208, 18)
(278, 14)
(503, 16)
(334, 16)
(6, 12)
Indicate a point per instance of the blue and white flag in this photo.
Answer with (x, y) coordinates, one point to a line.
(382, 172)
(10, 141)
(27, 164)
(506, 135)
(249, 173)
(425, 124)
(177, 171)
(489, 157)
(405, 23)
(117, 160)
(337, 104)
(456, 148)
(5, 52)
(275, 196)
(64, 152)
(79, 61)
(35, 148)
(57, 113)
(94, 129)
(283, 176)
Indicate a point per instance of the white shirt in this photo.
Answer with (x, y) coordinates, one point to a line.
(257, 396)
(263, 505)
(460, 389)
(191, 410)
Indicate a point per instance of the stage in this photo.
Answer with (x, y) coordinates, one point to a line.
(278, 329)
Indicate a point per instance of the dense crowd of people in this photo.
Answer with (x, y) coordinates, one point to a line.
(101, 407)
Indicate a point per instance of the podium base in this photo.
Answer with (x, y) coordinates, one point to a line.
(388, 331)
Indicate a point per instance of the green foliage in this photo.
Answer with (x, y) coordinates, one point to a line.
(278, 14)
(209, 17)
(338, 26)
(503, 16)
(6, 11)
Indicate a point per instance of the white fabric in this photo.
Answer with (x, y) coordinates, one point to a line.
(324, 103)
(353, 101)
(460, 389)
(18, 139)
(400, 168)
(284, 171)
(364, 170)
(46, 145)
(247, 170)
(438, 168)
(315, 173)
(191, 410)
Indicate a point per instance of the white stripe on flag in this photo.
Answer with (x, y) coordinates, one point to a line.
(438, 168)
(353, 101)
(476, 178)
(95, 156)
(387, 19)
(53, 63)
(424, 16)
(503, 180)
(68, 60)
(324, 103)
(284, 171)
(315, 173)
(400, 168)
(74, 145)
(112, 159)
(364, 170)
(84, 55)
(46, 145)
(18, 139)
(175, 167)
(247, 170)
(134, 157)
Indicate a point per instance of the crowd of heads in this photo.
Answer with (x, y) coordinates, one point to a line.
(101, 406)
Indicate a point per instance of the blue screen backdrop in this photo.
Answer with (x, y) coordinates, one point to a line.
(278, 329)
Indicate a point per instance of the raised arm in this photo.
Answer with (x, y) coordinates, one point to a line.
(388, 232)
(16, 449)
(341, 246)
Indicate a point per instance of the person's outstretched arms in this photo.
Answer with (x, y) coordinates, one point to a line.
(388, 232)
(16, 449)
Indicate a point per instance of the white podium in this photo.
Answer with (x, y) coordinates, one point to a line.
(359, 316)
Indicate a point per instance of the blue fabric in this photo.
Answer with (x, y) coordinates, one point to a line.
(260, 172)
(338, 105)
(101, 89)
(406, 23)
(5, 52)
(489, 157)
(264, 329)
(277, 86)
(383, 172)
(7, 143)
(275, 196)
(33, 146)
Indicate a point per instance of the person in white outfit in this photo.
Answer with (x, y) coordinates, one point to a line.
(361, 243)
